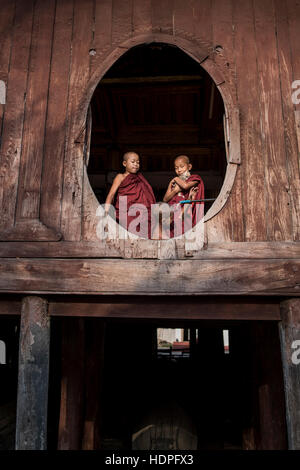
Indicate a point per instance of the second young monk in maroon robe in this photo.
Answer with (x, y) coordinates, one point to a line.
(185, 186)
(134, 197)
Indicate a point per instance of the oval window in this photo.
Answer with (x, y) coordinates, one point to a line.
(159, 103)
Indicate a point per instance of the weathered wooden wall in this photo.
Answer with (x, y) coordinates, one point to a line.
(47, 67)
(50, 74)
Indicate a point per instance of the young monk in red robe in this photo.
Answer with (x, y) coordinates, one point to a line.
(185, 186)
(135, 187)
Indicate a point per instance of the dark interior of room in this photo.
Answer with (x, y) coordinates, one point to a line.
(9, 335)
(159, 102)
(215, 399)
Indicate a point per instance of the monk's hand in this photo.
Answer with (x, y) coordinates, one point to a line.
(177, 188)
(193, 192)
(172, 183)
(106, 209)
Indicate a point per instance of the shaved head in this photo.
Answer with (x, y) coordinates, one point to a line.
(128, 155)
(185, 158)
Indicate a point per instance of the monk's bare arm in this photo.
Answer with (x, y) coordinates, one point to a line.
(112, 192)
(184, 185)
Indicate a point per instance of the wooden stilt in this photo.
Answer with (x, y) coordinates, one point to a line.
(270, 388)
(289, 329)
(72, 384)
(32, 398)
(93, 378)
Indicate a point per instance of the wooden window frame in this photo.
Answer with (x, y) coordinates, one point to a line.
(204, 55)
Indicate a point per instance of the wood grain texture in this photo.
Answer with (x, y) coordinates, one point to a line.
(121, 20)
(6, 29)
(219, 224)
(252, 167)
(77, 111)
(279, 223)
(163, 16)
(28, 201)
(182, 308)
(148, 249)
(94, 359)
(56, 122)
(102, 32)
(270, 387)
(141, 16)
(72, 388)
(202, 25)
(184, 17)
(289, 329)
(227, 224)
(286, 79)
(293, 11)
(12, 133)
(211, 277)
(33, 375)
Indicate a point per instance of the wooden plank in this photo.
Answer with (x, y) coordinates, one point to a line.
(228, 224)
(54, 147)
(167, 249)
(279, 223)
(218, 217)
(140, 249)
(77, 111)
(6, 31)
(32, 399)
(87, 276)
(102, 33)
(148, 249)
(293, 11)
(10, 307)
(93, 384)
(72, 396)
(141, 16)
(11, 142)
(289, 329)
(297, 125)
(270, 387)
(184, 17)
(59, 250)
(202, 27)
(238, 250)
(186, 308)
(121, 20)
(28, 201)
(286, 79)
(163, 16)
(252, 169)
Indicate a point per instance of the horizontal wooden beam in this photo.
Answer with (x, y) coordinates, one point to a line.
(165, 309)
(101, 249)
(151, 277)
(63, 249)
(157, 307)
(157, 79)
(10, 307)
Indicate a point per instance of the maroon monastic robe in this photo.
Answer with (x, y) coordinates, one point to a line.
(138, 191)
(195, 209)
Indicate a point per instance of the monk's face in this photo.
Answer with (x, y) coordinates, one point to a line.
(182, 165)
(132, 163)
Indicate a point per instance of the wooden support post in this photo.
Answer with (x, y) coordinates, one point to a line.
(72, 384)
(32, 398)
(270, 394)
(289, 329)
(95, 330)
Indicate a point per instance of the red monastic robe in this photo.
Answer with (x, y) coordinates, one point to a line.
(196, 209)
(138, 191)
